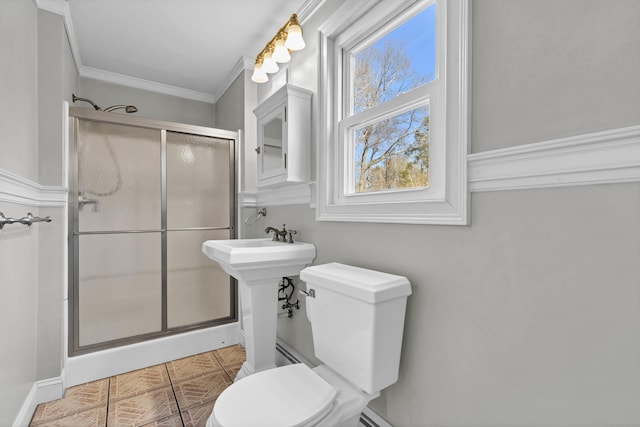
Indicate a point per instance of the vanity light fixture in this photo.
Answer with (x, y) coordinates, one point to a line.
(287, 39)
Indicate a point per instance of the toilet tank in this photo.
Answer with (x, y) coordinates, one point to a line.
(357, 321)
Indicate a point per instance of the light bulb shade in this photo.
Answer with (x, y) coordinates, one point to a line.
(280, 53)
(294, 38)
(259, 76)
(268, 64)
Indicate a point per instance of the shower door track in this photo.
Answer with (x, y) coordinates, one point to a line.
(163, 127)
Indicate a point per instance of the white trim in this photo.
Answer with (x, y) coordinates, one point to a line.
(27, 409)
(284, 354)
(114, 361)
(247, 199)
(61, 7)
(295, 194)
(42, 391)
(22, 191)
(451, 205)
(135, 82)
(244, 63)
(606, 157)
(611, 156)
(308, 9)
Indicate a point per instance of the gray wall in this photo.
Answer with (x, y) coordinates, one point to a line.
(36, 74)
(57, 79)
(229, 109)
(18, 136)
(151, 105)
(18, 86)
(530, 315)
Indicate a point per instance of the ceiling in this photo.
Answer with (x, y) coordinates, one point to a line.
(187, 48)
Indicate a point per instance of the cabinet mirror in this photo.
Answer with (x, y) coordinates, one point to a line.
(272, 145)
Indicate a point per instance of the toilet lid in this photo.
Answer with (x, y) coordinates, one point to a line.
(288, 396)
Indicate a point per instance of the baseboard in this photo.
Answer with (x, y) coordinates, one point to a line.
(115, 361)
(41, 392)
(286, 355)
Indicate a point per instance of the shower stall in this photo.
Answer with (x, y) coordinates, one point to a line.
(144, 195)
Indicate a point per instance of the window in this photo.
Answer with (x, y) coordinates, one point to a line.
(394, 99)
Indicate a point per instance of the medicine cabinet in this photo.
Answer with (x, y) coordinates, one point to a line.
(284, 130)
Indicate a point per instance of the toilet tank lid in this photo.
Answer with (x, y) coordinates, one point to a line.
(367, 285)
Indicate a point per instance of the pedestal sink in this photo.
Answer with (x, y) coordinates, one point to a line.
(259, 265)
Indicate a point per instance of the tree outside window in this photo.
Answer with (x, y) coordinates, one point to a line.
(393, 153)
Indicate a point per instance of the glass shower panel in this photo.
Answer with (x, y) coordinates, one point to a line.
(120, 290)
(119, 177)
(198, 209)
(198, 290)
(198, 173)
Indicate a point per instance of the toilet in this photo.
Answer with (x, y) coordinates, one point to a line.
(357, 321)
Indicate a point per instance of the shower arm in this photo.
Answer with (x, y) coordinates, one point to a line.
(127, 108)
(75, 98)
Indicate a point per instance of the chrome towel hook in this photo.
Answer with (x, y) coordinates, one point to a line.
(26, 220)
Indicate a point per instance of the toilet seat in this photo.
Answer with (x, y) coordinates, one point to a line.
(292, 395)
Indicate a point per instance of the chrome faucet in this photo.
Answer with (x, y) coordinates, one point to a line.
(275, 232)
(281, 235)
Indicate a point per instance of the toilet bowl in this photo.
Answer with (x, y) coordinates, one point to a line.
(357, 321)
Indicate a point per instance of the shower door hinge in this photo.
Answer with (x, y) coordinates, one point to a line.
(285, 113)
(285, 160)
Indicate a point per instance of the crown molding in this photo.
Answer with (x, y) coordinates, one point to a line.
(61, 7)
(308, 8)
(611, 156)
(122, 79)
(244, 63)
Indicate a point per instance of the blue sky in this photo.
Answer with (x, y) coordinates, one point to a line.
(419, 38)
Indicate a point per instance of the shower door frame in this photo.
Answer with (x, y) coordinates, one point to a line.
(75, 115)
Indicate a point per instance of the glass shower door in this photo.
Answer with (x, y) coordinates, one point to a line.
(196, 211)
(146, 198)
(119, 232)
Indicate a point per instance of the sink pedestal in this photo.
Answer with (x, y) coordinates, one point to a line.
(259, 265)
(259, 302)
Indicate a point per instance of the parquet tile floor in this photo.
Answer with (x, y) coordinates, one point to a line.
(180, 393)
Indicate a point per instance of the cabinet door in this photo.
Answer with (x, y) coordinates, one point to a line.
(272, 134)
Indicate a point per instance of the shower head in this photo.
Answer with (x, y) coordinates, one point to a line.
(74, 98)
(127, 108)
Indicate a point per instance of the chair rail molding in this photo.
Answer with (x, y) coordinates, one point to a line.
(22, 191)
(611, 156)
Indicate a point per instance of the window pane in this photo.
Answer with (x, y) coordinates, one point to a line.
(393, 153)
(400, 61)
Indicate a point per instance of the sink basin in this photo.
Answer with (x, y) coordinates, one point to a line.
(249, 259)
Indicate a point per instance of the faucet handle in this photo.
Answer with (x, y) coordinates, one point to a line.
(291, 233)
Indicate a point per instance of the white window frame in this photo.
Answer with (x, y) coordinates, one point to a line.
(445, 201)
